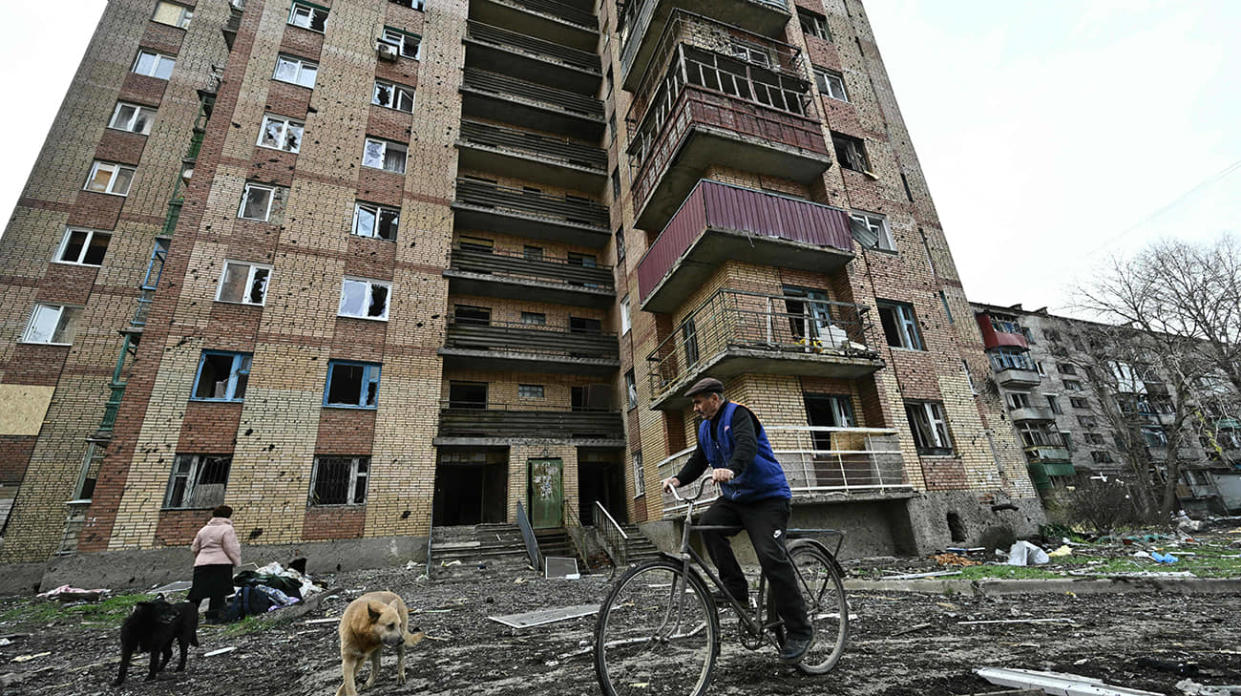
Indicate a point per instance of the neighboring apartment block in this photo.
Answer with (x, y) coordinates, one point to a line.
(1067, 403)
(385, 266)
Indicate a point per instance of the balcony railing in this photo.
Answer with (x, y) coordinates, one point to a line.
(1031, 413)
(1048, 453)
(479, 194)
(521, 421)
(996, 334)
(544, 268)
(719, 221)
(529, 144)
(533, 92)
(509, 337)
(560, 10)
(821, 463)
(737, 332)
(522, 43)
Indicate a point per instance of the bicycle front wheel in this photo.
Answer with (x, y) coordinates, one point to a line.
(824, 593)
(657, 633)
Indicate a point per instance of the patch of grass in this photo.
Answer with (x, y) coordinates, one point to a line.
(248, 625)
(107, 613)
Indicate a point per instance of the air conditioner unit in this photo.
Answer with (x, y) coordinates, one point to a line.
(386, 51)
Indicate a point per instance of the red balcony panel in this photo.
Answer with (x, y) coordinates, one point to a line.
(995, 339)
(774, 229)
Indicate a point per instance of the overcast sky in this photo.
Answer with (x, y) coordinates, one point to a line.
(1052, 132)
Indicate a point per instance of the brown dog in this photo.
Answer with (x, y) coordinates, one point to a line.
(370, 622)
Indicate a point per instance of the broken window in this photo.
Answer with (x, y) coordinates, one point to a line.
(1053, 402)
(172, 14)
(1101, 457)
(469, 314)
(850, 152)
(930, 428)
(467, 395)
(393, 96)
(624, 315)
(1154, 436)
(409, 45)
(534, 318)
(1072, 385)
(381, 154)
(296, 70)
(1011, 358)
(339, 480)
(307, 15)
(106, 177)
(83, 247)
(1066, 368)
(620, 244)
(222, 376)
(813, 24)
(152, 64)
(281, 133)
(689, 340)
(197, 481)
(1037, 435)
(256, 202)
(376, 221)
(132, 118)
(364, 299)
(580, 325)
(1087, 421)
(831, 84)
(1078, 402)
(631, 389)
(639, 476)
(55, 324)
(871, 231)
(1019, 400)
(244, 283)
(745, 75)
(351, 384)
(900, 326)
(530, 391)
(478, 244)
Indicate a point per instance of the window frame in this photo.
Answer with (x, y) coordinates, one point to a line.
(311, 10)
(841, 142)
(631, 389)
(60, 327)
(287, 123)
(86, 246)
(639, 475)
(194, 472)
(241, 366)
(884, 241)
(398, 90)
(903, 323)
(378, 211)
(158, 59)
(625, 321)
(818, 24)
(187, 14)
(251, 271)
(372, 373)
(937, 422)
(116, 168)
(399, 38)
(827, 87)
(359, 468)
(138, 110)
(404, 149)
(301, 65)
(370, 284)
(245, 194)
(532, 394)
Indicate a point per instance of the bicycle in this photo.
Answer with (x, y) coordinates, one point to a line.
(658, 630)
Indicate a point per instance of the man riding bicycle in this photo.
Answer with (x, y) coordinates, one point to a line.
(754, 495)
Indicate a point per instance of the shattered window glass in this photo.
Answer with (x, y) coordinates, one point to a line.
(364, 221)
(222, 376)
(373, 154)
(352, 384)
(379, 302)
(353, 297)
(256, 202)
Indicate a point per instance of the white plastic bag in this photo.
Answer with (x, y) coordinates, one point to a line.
(1025, 553)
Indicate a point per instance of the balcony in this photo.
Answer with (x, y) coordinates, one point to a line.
(486, 205)
(519, 55)
(737, 332)
(501, 424)
(1031, 413)
(528, 348)
(563, 23)
(644, 21)
(719, 222)
(531, 157)
(543, 279)
(1048, 454)
(997, 333)
(1018, 377)
(822, 465)
(1042, 471)
(233, 24)
(492, 95)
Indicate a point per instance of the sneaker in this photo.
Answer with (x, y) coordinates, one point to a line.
(795, 647)
(722, 600)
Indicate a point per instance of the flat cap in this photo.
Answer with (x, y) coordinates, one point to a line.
(706, 385)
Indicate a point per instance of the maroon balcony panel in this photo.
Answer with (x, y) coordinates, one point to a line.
(995, 339)
(713, 205)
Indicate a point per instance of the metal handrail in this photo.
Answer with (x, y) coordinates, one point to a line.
(544, 328)
(570, 152)
(543, 258)
(527, 534)
(498, 83)
(474, 192)
(518, 407)
(610, 530)
(496, 36)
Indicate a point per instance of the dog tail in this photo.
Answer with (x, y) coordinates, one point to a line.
(412, 639)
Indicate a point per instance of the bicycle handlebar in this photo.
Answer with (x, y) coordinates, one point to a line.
(702, 486)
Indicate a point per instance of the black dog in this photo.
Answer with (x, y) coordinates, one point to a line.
(151, 627)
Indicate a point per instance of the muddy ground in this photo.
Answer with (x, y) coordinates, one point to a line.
(891, 651)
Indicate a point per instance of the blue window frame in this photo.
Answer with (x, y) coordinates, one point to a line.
(351, 384)
(222, 376)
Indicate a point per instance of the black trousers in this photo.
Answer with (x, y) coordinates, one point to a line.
(213, 583)
(765, 522)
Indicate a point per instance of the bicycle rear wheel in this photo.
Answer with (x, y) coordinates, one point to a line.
(657, 633)
(824, 593)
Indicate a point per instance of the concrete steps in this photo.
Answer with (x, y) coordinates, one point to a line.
(491, 549)
(640, 548)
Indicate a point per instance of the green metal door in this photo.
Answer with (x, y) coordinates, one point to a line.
(546, 493)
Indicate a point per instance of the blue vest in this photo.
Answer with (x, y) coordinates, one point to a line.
(762, 479)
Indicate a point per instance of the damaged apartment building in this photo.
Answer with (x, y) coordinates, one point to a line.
(1084, 408)
(371, 269)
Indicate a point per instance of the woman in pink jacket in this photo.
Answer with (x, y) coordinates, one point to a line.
(216, 551)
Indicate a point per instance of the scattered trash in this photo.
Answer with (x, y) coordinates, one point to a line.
(911, 629)
(954, 559)
(221, 651)
(561, 567)
(1055, 682)
(575, 653)
(917, 576)
(1024, 553)
(1193, 688)
(1184, 523)
(1162, 558)
(4, 642)
(449, 564)
(1019, 621)
(178, 586)
(66, 593)
(330, 619)
(28, 658)
(1141, 554)
(962, 549)
(1060, 552)
(546, 616)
